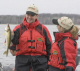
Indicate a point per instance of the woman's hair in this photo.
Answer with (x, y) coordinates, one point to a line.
(74, 31)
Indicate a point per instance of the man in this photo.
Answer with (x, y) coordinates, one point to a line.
(32, 42)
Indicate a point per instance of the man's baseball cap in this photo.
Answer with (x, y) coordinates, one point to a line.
(65, 22)
(32, 10)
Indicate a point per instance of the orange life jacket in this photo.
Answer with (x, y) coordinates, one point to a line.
(32, 39)
(61, 53)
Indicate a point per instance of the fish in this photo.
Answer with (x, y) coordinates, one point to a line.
(8, 34)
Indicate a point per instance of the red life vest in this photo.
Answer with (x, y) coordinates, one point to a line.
(63, 52)
(31, 41)
(55, 57)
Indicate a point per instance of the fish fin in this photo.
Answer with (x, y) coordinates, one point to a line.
(6, 53)
(5, 42)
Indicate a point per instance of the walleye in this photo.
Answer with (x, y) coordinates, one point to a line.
(8, 39)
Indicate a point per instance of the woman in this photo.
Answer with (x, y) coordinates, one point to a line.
(64, 49)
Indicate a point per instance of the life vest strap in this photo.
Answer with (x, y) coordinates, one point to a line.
(31, 40)
(32, 47)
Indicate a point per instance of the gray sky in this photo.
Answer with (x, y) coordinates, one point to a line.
(19, 7)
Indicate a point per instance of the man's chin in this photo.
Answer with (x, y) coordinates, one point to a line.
(30, 21)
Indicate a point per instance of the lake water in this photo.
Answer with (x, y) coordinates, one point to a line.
(11, 59)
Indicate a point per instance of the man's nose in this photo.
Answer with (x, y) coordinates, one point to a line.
(29, 16)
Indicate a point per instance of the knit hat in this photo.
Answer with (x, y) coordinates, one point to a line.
(65, 22)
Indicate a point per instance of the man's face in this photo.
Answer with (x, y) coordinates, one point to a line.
(31, 18)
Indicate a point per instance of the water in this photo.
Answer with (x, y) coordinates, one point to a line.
(11, 59)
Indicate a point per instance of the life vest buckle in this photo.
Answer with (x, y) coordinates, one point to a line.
(32, 47)
(31, 40)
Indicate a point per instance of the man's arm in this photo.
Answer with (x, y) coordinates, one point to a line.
(15, 40)
(13, 50)
(48, 40)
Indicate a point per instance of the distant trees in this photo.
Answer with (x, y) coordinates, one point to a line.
(44, 18)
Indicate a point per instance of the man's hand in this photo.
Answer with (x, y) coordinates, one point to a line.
(13, 52)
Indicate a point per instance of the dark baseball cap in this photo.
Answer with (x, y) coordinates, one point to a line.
(31, 13)
(55, 21)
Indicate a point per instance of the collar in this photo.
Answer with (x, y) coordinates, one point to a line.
(31, 25)
(59, 36)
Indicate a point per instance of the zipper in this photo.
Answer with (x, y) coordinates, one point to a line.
(31, 36)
